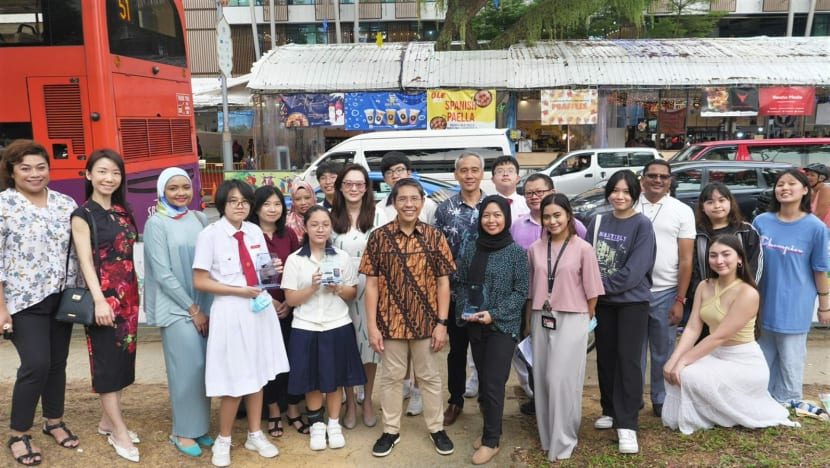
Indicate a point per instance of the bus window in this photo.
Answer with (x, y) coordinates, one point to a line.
(149, 30)
(45, 23)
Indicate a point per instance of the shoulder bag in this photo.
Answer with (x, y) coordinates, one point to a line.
(76, 304)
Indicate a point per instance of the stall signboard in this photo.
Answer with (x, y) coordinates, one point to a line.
(462, 108)
(386, 111)
(569, 106)
(241, 121)
(788, 100)
(672, 122)
(720, 101)
(312, 110)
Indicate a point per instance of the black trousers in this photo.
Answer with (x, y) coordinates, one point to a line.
(43, 345)
(620, 333)
(276, 391)
(456, 359)
(492, 353)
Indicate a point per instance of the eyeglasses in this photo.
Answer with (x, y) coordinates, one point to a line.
(238, 203)
(537, 193)
(354, 185)
(502, 172)
(395, 172)
(658, 176)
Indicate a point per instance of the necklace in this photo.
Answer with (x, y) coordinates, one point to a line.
(652, 218)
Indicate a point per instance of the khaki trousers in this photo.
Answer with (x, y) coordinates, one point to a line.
(392, 371)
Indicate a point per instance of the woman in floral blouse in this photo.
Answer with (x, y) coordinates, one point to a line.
(34, 239)
(112, 338)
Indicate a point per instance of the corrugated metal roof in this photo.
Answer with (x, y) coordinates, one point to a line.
(329, 68)
(207, 92)
(621, 63)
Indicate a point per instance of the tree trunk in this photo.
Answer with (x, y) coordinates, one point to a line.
(459, 18)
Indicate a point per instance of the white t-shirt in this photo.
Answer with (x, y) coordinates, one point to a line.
(427, 211)
(324, 310)
(672, 220)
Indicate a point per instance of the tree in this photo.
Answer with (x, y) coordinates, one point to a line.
(493, 21)
(543, 19)
(689, 18)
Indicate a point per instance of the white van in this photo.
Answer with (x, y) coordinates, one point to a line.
(583, 170)
(432, 152)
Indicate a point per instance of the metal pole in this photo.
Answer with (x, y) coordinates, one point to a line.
(273, 26)
(790, 18)
(810, 14)
(254, 31)
(227, 157)
(357, 21)
(337, 21)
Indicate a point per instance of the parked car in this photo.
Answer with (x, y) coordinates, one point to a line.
(582, 170)
(436, 189)
(798, 151)
(746, 180)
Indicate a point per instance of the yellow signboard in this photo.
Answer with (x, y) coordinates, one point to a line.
(569, 106)
(465, 108)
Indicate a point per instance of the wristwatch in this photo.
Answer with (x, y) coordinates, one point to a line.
(441, 321)
(680, 299)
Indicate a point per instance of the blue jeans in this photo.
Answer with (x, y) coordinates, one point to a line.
(660, 340)
(785, 354)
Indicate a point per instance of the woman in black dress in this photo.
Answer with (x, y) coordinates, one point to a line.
(111, 340)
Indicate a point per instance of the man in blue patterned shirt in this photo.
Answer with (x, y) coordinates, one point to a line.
(457, 218)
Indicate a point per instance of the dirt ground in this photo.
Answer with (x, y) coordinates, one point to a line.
(147, 412)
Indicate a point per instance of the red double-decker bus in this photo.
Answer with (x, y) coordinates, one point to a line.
(80, 75)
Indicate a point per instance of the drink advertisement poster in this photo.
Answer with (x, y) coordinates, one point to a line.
(721, 101)
(463, 108)
(312, 110)
(386, 111)
(569, 106)
(788, 100)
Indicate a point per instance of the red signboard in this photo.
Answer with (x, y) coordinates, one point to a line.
(788, 100)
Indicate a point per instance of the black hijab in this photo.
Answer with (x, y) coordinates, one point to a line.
(487, 243)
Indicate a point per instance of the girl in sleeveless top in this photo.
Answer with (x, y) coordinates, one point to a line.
(722, 380)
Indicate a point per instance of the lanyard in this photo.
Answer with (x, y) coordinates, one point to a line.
(552, 273)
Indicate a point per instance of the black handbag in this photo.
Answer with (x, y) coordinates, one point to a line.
(76, 304)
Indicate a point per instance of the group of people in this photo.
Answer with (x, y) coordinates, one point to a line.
(370, 292)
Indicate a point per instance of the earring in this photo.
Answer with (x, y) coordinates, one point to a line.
(740, 265)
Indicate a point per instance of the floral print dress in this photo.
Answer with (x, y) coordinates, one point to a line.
(112, 349)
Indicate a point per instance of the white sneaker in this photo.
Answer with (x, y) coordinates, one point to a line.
(221, 452)
(257, 442)
(317, 441)
(628, 441)
(604, 422)
(360, 395)
(407, 389)
(416, 403)
(335, 433)
(471, 389)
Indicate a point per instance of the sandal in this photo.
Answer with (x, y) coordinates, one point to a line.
(70, 437)
(303, 429)
(33, 457)
(277, 430)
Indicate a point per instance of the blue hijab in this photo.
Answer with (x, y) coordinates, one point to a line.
(163, 206)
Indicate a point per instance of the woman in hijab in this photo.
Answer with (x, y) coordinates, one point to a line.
(179, 310)
(302, 198)
(490, 293)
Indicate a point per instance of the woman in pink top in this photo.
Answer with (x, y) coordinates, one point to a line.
(817, 174)
(302, 198)
(564, 285)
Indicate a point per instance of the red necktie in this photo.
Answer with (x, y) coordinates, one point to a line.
(244, 257)
(509, 201)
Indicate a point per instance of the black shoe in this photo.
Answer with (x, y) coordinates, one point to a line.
(658, 409)
(528, 408)
(385, 444)
(442, 442)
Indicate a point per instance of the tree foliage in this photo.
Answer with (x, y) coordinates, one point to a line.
(689, 18)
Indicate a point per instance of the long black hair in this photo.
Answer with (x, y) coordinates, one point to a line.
(703, 223)
(560, 200)
(733, 242)
(261, 195)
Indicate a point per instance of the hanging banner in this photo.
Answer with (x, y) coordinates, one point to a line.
(672, 122)
(312, 110)
(386, 111)
(464, 108)
(729, 102)
(569, 106)
(241, 121)
(788, 100)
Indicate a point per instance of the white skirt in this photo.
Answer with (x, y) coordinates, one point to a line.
(726, 388)
(244, 349)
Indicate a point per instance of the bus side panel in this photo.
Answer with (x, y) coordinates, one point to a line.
(142, 195)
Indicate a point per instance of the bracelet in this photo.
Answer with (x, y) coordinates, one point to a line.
(823, 293)
(194, 313)
(824, 310)
(680, 299)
